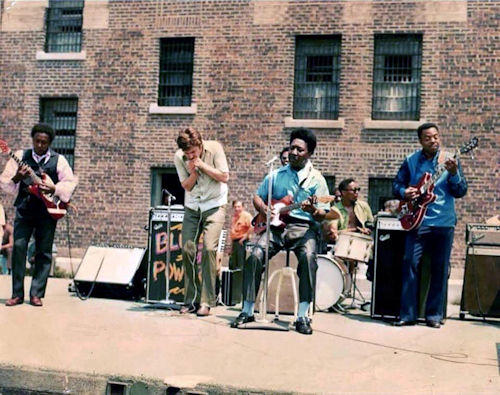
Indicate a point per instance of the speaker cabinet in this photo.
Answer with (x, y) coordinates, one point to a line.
(231, 286)
(386, 285)
(388, 265)
(161, 287)
(113, 272)
(481, 286)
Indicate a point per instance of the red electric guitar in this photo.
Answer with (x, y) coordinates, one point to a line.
(280, 210)
(55, 206)
(411, 212)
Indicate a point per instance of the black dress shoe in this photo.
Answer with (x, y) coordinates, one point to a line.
(433, 324)
(243, 318)
(303, 325)
(403, 323)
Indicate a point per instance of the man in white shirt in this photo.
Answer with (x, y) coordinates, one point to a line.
(32, 217)
(203, 172)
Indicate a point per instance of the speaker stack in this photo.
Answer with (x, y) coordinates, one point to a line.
(481, 286)
(388, 262)
(165, 283)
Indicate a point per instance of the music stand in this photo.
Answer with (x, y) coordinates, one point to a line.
(262, 322)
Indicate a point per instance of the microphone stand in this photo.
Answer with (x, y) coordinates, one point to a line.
(262, 322)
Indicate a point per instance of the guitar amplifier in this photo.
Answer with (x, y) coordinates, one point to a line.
(482, 234)
(388, 266)
(481, 286)
(231, 286)
(158, 246)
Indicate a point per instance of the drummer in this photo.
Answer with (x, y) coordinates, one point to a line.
(355, 215)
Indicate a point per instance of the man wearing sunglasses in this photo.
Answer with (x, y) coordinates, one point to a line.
(355, 215)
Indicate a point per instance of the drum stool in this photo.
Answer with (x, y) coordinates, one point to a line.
(290, 272)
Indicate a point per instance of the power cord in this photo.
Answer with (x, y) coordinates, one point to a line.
(77, 291)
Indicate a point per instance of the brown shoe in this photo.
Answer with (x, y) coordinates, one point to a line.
(36, 301)
(203, 311)
(14, 301)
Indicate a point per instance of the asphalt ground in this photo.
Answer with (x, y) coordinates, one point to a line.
(75, 346)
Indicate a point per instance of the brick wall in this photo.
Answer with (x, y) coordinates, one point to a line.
(243, 87)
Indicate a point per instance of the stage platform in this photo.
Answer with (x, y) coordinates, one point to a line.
(74, 346)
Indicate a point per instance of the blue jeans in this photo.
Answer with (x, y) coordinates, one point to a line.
(437, 243)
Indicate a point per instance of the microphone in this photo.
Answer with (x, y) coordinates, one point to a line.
(166, 192)
(272, 160)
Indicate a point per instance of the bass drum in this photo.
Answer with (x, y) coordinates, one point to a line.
(333, 282)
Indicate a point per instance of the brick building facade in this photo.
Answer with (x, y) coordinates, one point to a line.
(243, 92)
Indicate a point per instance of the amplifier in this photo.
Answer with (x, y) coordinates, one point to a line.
(388, 265)
(158, 246)
(231, 286)
(481, 286)
(482, 234)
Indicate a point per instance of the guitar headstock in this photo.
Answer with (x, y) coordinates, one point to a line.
(4, 147)
(469, 146)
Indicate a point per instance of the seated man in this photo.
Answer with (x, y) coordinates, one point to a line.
(355, 215)
(301, 182)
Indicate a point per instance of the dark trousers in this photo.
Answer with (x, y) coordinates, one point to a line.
(435, 242)
(302, 241)
(43, 228)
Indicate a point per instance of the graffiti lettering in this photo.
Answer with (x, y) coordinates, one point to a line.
(158, 267)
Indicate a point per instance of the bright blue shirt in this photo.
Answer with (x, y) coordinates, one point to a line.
(442, 211)
(299, 184)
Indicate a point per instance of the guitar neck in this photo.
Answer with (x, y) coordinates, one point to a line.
(290, 207)
(439, 172)
(32, 174)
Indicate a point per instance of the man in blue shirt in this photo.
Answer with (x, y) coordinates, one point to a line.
(435, 234)
(297, 181)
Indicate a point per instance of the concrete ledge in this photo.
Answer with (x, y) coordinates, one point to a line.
(180, 110)
(315, 123)
(376, 124)
(42, 55)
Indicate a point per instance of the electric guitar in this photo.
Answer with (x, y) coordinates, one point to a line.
(411, 212)
(55, 206)
(280, 210)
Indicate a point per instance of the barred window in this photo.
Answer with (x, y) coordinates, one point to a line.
(63, 24)
(396, 77)
(317, 71)
(379, 191)
(176, 71)
(61, 114)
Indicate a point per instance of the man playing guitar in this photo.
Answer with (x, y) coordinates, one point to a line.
(435, 234)
(54, 178)
(302, 182)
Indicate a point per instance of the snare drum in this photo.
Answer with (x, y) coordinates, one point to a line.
(333, 282)
(354, 246)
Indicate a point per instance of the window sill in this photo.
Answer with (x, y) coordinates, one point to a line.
(41, 55)
(315, 123)
(379, 124)
(156, 109)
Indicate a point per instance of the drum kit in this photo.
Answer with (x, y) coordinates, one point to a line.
(336, 275)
